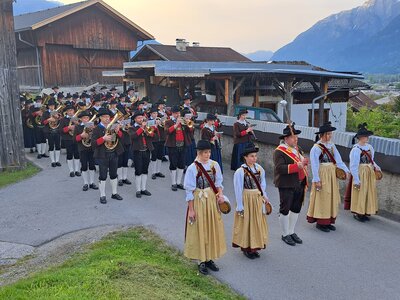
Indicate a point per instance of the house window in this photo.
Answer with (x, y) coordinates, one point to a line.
(316, 117)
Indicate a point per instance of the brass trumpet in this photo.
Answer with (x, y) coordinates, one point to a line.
(188, 123)
(55, 124)
(111, 145)
(88, 142)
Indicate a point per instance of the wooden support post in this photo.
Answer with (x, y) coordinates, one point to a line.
(147, 86)
(124, 86)
(289, 98)
(229, 97)
(324, 90)
(181, 88)
(12, 153)
(226, 91)
(237, 96)
(257, 95)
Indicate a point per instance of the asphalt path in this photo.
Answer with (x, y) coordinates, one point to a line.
(357, 261)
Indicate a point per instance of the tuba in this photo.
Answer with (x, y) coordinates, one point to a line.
(74, 118)
(111, 145)
(88, 142)
(55, 124)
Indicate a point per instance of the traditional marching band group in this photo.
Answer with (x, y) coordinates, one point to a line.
(106, 130)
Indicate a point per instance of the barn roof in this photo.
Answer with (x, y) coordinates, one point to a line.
(359, 99)
(199, 54)
(35, 20)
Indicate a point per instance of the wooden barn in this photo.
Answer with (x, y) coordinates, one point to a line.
(71, 45)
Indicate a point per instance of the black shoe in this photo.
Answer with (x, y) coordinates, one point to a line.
(53, 165)
(132, 165)
(78, 174)
(174, 187)
(212, 266)
(71, 174)
(85, 188)
(154, 176)
(203, 269)
(103, 200)
(31, 150)
(126, 181)
(323, 228)
(164, 159)
(45, 155)
(116, 197)
(161, 175)
(58, 164)
(249, 255)
(256, 254)
(120, 183)
(146, 193)
(39, 156)
(331, 227)
(180, 186)
(138, 195)
(296, 239)
(288, 240)
(359, 218)
(93, 186)
(366, 218)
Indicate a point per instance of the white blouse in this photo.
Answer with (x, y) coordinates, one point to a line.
(191, 174)
(355, 154)
(238, 182)
(314, 159)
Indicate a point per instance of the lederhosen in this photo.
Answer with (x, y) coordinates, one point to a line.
(69, 143)
(107, 159)
(176, 148)
(142, 147)
(85, 153)
(52, 135)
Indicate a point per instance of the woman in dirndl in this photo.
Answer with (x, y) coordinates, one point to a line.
(325, 198)
(208, 133)
(204, 233)
(250, 229)
(242, 138)
(364, 200)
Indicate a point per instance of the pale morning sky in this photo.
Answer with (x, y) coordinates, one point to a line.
(246, 26)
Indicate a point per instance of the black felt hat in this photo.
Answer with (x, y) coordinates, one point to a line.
(289, 130)
(97, 98)
(175, 109)
(52, 101)
(84, 113)
(185, 111)
(250, 149)
(203, 145)
(362, 131)
(69, 107)
(242, 111)
(104, 111)
(153, 109)
(130, 89)
(113, 88)
(137, 114)
(60, 95)
(327, 127)
(103, 88)
(113, 101)
(37, 98)
(211, 117)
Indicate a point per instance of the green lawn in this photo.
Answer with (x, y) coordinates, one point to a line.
(134, 264)
(8, 177)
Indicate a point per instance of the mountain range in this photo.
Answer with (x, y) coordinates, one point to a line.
(364, 39)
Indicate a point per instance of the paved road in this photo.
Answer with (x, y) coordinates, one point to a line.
(358, 261)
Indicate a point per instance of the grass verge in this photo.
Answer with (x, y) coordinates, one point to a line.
(9, 177)
(133, 264)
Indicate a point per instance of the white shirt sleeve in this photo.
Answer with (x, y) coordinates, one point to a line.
(190, 181)
(218, 176)
(339, 162)
(263, 181)
(355, 163)
(314, 159)
(238, 182)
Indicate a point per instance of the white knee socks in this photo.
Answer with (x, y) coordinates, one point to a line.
(77, 165)
(138, 182)
(102, 188)
(114, 184)
(284, 221)
(179, 176)
(85, 176)
(70, 164)
(173, 176)
(143, 182)
(292, 221)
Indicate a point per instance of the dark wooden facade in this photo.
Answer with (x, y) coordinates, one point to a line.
(74, 49)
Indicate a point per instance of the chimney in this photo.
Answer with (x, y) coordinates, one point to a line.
(196, 44)
(181, 45)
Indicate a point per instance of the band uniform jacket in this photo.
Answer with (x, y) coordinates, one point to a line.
(285, 170)
(140, 140)
(98, 144)
(170, 140)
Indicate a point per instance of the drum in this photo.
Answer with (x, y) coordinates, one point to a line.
(225, 207)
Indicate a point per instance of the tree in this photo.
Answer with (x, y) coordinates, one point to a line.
(12, 153)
